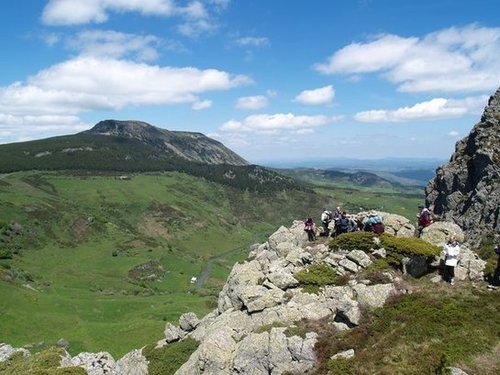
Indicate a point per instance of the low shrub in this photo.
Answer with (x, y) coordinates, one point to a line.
(408, 246)
(316, 276)
(43, 363)
(354, 241)
(168, 359)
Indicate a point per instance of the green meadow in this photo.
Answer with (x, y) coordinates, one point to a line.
(105, 262)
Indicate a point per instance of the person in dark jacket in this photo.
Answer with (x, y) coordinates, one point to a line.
(424, 219)
(309, 227)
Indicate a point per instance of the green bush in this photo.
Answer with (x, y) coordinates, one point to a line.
(43, 363)
(486, 252)
(168, 359)
(353, 241)
(408, 246)
(316, 276)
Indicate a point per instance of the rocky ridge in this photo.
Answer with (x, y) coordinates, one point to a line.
(187, 145)
(466, 190)
(249, 331)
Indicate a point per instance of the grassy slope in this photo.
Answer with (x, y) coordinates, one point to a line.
(186, 223)
(82, 291)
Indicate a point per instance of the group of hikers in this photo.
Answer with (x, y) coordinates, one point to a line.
(371, 222)
(343, 223)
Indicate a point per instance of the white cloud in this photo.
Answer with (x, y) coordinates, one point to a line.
(20, 128)
(250, 41)
(323, 95)
(200, 105)
(438, 108)
(463, 59)
(453, 134)
(74, 12)
(197, 18)
(252, 102)
(274, 123)
(113, 44)
(86, 83)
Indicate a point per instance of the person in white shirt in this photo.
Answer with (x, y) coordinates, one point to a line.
(451, 249)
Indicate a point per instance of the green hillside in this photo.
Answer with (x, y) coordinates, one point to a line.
(104, 261)
(70, 245)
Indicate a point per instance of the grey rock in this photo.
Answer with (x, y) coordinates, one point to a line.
(188, 321)
(439, 232)
(359, 257)
(6, 351)
(349, 265)
(345, 354)
(466, 190)
(379, 253)
(416, 266)
(373, 295)
(456, 371)
(283, 279)
(101, 363)
(132, 363)
(173, 333)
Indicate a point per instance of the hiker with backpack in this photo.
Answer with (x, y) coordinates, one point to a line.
(309, 228)
(342, 224)
(373, 223)
(326, 218)
(424, 219)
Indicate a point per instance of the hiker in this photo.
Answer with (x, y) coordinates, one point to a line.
(309, 227)
(424, 219)
(342, 224)
(451, 249)
(326, 218)
(373, 223)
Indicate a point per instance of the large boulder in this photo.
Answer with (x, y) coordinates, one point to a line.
(439, 232)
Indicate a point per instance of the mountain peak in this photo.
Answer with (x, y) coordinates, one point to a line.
(187, 145)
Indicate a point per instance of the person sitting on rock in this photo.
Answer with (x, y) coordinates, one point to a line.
(309, 227)
(424, 219)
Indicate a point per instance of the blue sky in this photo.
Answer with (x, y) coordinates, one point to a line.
(273, 80)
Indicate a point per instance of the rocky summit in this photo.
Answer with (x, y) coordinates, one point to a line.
(466, 190)
(186, 145)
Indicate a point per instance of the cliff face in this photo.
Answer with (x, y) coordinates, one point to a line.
(466, 190)
(187, 145)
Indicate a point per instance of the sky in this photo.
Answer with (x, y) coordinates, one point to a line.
(274, 80)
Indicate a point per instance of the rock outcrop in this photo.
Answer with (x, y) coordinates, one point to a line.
(257, 327)
(466, 190)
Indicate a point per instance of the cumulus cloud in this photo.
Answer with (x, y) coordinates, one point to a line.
(200, 105)
(438, 108)
(463, 59)
(275, 123)
(77, 12)
(252, 102)
(113, 44)
(87, 83)
(323, 95)
(198, 18)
